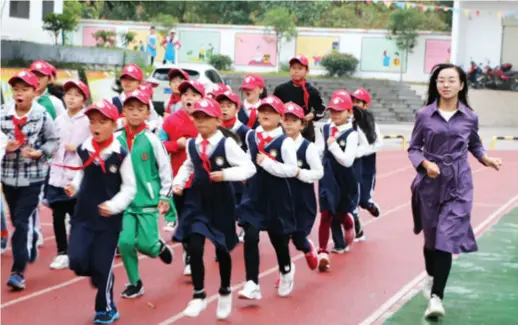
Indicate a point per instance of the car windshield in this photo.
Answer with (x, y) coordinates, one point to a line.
(161, 74)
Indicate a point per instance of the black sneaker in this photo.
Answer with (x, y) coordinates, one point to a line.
(133, 290)
(374, 210)
(106, 317)
(166, 254)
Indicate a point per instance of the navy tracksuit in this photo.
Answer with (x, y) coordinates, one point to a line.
(93, 238)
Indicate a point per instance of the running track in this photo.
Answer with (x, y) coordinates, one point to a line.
(362, 285)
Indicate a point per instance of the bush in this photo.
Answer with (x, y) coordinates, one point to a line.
(285, 67)
(340, 64)
(221, 62)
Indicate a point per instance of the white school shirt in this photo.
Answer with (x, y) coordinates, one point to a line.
(344, 158)
(316, 170)
(364, 147)
(242, 167)
(248, 107)
(128, 189)
(287, 169)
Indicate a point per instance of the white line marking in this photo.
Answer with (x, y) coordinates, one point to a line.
(393, 172)
(275, 269)
(399, 294)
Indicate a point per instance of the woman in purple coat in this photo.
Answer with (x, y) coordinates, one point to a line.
(442, 192)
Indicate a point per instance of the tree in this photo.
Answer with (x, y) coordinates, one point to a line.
(107, 38)
(403, 25)
(283, 24)
(127, 38)
(164, 23)
(59, 23)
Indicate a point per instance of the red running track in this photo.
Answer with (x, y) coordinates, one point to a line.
(359, 283)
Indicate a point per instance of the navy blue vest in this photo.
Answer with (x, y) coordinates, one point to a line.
(241, 115)
(241, 132)
(117, 102)
(96, 188)
(218, 160)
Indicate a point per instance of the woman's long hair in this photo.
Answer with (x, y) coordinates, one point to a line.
(433, 93)
(57, 90)
(264, 94)
(118, 86)
(365, 121)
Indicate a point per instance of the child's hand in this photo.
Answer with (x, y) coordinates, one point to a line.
(177, 190)
(29, 152)
(494, 163)
(70, 147)
(12, 145)
(309, 117)
(260, 158)
(217, 176)
(70, 190)
(432, 170)
(181, 142)
(163, 207)
(104, 210)
(331, 140)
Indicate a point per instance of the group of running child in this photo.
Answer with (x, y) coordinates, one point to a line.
(250, 163)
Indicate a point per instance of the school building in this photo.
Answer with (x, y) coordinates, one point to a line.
(23, 20)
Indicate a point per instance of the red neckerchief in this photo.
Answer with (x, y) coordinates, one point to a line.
(263, 141)
(130, 136)
(302, 84)
(334, 131)
(230, 123)
(252, 118)
(173, 99)
(98, 147)
(18, 134)
(204, 158)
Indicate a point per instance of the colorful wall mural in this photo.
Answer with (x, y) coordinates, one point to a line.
(381, 55)
(315, 47)
(256, 50)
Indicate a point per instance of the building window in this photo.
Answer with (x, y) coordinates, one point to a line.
(48, 8)
(19, 9)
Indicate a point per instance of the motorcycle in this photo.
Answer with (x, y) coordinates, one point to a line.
(476, 77)
(502, 77)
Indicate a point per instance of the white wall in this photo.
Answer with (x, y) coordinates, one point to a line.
(27, 29)
(479, 36)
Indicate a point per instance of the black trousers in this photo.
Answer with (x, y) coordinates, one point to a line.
(60, 209)
(438, 265)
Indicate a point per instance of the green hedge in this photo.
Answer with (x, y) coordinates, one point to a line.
(340, 64)
(221, 62)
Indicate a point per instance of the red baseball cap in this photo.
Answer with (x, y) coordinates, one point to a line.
(26, 76)
(54, 70)
(106, 108)
(252, 81)
(230, 95)
(294, 109)
(196, 85)
(340, 93)
(299, 58)
(274, 102)
(208, 106)
(133, 71)
(178, 72)
(219, 89)
(362, 94)
(341, 103)
(147, 87)
(42, 67)
(139, 94)
(78, 84)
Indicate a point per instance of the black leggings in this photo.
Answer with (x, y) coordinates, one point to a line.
(178, 203)
(60, 210)
(438, 265)
(251, 250)
(195, 246)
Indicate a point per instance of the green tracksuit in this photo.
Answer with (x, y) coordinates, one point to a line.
(153, 177)
(52, 105)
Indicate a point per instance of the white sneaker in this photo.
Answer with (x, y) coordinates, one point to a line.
(170, 226)
(287, 282)
(241, 236)
(340, 250)
(195, 307)
(60, 262)
(224, 306)
(187, 270)
(361, 238)
(323, 262)
(39, 242)
(426, 290)
(250, 291)
(435, 308)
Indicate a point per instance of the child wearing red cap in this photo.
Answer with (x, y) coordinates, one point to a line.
(131, 78)
(176, 130)
(45, 73)
(267, 203)
(73, 130)
(309, 171)
(154, 192)
(5, 233)
(97, 220)
(254, 89)
(338, 189)
(229, 103)
(219, 89)
(32, 139)
(209, 208)
(302, 93)
(173, 104)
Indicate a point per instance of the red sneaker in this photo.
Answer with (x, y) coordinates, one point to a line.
(312, 257)
(350, 232)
